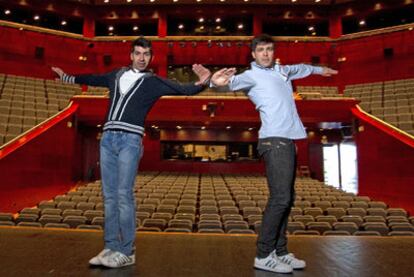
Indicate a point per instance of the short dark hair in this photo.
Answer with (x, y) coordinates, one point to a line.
(143, 42)
(263, 38)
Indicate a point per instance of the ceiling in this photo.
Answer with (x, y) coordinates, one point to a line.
(206, 2)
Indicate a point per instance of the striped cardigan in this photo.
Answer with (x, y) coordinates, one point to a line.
(127, 112)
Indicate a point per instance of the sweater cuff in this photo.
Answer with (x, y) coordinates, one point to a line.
(68, 78)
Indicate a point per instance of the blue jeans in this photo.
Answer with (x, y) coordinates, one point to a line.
(120, 155)
(279, 155)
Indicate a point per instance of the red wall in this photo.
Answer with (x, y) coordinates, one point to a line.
(44, 163)
(365, 61)
(385, 163)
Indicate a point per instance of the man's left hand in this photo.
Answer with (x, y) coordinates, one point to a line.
(327, 72)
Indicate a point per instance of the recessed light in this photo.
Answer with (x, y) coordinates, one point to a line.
(63, 23)
(218, 19)
(36, 17)
(7, 11)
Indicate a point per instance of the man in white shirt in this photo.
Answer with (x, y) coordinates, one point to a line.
(268, 86)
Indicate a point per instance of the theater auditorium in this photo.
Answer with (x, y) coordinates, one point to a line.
(201, 189)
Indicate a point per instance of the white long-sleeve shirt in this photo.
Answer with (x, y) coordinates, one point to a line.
(270, 89)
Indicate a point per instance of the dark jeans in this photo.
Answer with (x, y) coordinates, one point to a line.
(279, 155)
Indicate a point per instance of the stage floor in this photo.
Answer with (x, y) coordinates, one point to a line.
(47, 252)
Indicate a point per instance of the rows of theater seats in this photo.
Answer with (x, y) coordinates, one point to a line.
(318, 92)
(26, 102)
(220, 204)
(391, 101)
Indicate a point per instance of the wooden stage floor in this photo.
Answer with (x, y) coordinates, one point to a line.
(48, 252)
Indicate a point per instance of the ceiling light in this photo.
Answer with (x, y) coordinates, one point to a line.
(201, 19)
(175, 0)
(311, 28)
(317, 1)
(228, 127)
(240, 26)
(110, 28)
(179, 127)
(129, 1)
(218, 27)
(362, 22)
(7, 11)
(218, 19)
(36, 17)
(106, 1)
(293, 1)
(63, 23)
(203, 127)
(181, 26)
(135, 28)
(250, 129)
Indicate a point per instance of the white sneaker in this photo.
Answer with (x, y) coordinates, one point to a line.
(117, 259)
(95, 260)
(290, 259)
(272, 263)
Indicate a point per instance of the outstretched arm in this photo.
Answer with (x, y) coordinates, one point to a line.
(298, 71)
(87, 79)
(225, 79)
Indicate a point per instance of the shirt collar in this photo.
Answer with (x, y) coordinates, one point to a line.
(254, 64)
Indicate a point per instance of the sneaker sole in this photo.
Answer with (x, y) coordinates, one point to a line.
(128, 264)
(271, 270)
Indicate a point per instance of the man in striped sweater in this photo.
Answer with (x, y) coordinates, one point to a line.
(132, 91)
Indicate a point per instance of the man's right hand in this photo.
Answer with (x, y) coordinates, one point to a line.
(58, 71)
(222, 77)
